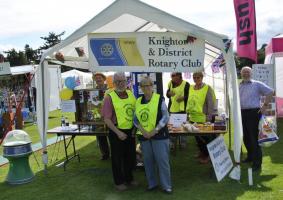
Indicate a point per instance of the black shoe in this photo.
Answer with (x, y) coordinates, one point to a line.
(247, 160)
(256, 168)
(152, 188)
(168, 191)
(104, 157)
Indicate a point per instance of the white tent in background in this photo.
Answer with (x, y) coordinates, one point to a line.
(136, 16)
(55, 72)
(24, 69)
(85, 77)
(274, 55)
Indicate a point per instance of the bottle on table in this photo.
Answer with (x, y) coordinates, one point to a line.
(67, 121)
(63, 121)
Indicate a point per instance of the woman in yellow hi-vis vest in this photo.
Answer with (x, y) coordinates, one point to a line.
(200, 108)
(178, 92)
(118, 113)
(151, 118)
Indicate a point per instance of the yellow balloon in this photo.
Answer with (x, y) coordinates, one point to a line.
(66, 94)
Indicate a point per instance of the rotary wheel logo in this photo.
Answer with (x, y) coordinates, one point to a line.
(129, 112)
(106, 49)
(144, 116)
(192, 104)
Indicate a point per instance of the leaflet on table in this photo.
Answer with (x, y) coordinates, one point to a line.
(177, 119)
(68, 128)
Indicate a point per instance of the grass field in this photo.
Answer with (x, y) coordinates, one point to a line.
(92, 178)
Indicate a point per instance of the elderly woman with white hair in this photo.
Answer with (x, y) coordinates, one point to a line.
(151, 117)
(118, 110)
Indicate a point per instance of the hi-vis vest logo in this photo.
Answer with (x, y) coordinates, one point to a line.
(144, 116)
(116, 52)
(129, 111)
(192, 103)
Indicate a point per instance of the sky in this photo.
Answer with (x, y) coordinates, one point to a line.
(25, 21)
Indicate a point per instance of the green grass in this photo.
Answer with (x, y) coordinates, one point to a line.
(92, 178)
(53, 121)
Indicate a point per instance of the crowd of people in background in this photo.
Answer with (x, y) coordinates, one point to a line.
(147, 117)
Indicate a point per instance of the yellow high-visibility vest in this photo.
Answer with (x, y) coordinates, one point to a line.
(179, 91)
(124, 109)
(195, 104)
(147, 113)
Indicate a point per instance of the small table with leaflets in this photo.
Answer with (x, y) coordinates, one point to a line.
(86, 129)
(78, 129)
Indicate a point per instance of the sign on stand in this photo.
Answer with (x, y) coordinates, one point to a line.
(5, 68)
(220, 157)
(177, 119)
(264, 73)
(68, 106)
(145, 52)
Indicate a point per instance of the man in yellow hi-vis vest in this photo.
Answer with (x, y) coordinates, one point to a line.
(151, 117)
(118, 112)
(178, 92)
(200, 107)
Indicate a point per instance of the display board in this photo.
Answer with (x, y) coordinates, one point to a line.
(155, 77)
(220, 157)
(88, 103)
(264, 73)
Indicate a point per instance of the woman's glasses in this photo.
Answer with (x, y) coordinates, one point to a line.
(143, 86)
(120, 81)
(196, 77)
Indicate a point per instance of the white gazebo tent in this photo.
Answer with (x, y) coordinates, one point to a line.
(84, 77)
(136, 16)
(274, 55)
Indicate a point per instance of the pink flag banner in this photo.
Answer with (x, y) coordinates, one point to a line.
(246, 29)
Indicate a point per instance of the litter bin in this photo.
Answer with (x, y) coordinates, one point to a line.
(17, 149)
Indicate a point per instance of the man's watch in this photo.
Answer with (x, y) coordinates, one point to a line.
(157, 129)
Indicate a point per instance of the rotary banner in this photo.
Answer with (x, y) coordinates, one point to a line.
(145, 52)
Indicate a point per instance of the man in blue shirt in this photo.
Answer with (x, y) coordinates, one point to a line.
(251, 92)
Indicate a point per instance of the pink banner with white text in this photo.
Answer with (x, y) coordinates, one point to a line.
(246, 29)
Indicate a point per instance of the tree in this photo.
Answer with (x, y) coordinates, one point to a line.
(2, 58)
(51, 40)
(16, 58)
(261, 54)
(31, 55)
(241, 62)
(22, 60)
